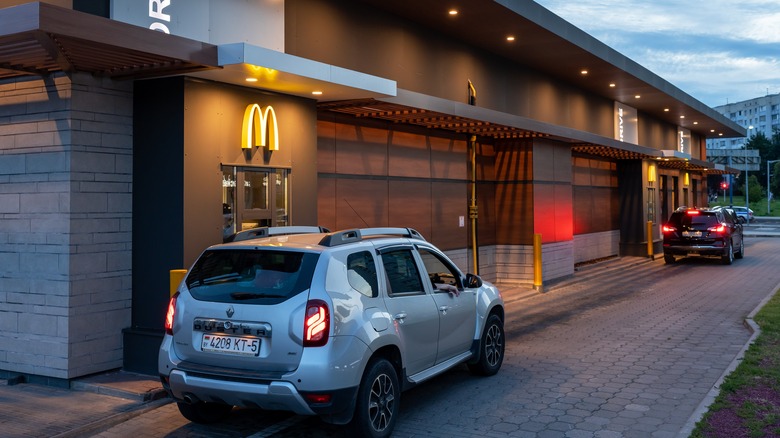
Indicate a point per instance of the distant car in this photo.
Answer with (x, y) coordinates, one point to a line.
(329, 324)
(730, 210)
(743, 212)
(703, 232)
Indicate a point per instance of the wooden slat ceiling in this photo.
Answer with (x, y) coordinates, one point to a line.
(41, 39)
(374, 109)
(401, 114)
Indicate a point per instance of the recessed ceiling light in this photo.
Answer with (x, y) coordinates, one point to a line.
(317, 93)
(612, 85)
(666, 110)
(510, 38)
(453, 12)
(695, 123)
(584, 72)
(637, 97)
(251, 79)
(712, 130)
(682, 117)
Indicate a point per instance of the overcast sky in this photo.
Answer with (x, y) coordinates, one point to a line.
(718, 51)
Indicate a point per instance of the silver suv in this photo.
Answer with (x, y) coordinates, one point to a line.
(328, 324)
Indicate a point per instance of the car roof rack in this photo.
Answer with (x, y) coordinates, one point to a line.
(255, 233)
(357, 234)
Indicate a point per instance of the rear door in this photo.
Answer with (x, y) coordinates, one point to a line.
(413, 309)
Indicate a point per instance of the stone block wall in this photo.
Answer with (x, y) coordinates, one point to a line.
(594, 246)
(65, 224)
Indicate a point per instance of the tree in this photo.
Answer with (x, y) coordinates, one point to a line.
(765, 148)
(756, 191)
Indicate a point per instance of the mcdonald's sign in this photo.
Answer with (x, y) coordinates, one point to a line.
(258, 123)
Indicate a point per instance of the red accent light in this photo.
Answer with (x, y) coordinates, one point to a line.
(719, 229)
(316, 324)
(318, 398)
(692, 212)
(171, 314)
(668, 229)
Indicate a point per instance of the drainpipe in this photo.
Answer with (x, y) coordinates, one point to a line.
(473, 213)
(472, 145)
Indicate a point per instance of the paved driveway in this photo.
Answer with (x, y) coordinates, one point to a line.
(625, 350)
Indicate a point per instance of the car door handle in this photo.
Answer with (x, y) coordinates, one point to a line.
(400, 316)
(444, 309)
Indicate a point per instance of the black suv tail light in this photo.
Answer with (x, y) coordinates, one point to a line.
(668, 229)
(171, 314)
(720, 228)
(316, 324)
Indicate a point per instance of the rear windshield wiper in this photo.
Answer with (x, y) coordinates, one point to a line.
(251, 296)
(202, 281)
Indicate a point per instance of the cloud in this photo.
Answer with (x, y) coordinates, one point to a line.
(716, 51)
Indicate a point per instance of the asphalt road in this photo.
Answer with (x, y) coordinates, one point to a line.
(626, 349)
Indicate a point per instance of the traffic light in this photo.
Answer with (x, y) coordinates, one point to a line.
(724, 185)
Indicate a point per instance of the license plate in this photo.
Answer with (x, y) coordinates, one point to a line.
(230, 345)
(691, 233)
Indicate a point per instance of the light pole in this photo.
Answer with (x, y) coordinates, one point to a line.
(747, 179)
(768, 189)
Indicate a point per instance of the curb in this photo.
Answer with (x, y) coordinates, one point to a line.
(147, 396)
(713, 393)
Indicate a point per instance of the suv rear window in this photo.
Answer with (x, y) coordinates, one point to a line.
(228, 275)
(702, 220)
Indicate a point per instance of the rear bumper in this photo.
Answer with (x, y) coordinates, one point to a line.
(276, 395)
(271, 396)
(686, 250)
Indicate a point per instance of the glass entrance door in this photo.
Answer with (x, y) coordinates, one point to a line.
(254, 197)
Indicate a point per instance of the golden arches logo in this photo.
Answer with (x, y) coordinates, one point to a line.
(258, 123)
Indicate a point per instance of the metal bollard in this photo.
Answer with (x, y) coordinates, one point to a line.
(538, 262)
(650, 252)
(176, 276)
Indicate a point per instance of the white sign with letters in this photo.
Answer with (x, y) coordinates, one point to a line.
(626, 123)
(256, 22)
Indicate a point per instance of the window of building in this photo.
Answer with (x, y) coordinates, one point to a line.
(254, 197)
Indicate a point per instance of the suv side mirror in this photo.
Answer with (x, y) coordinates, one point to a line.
(473, 281)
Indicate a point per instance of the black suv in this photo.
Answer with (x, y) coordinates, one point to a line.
(703, 232)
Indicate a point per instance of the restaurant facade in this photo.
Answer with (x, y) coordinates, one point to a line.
(134, 134)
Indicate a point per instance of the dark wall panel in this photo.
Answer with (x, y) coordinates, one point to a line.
(410, 204)
(361, 202)
(514, 194)
(158, 195)
(372, 175)
(448, 205)
(594, 194)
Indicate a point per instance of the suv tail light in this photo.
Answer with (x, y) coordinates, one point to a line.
(720, 228)
(170, 314)
(316, 324)
(668, 229)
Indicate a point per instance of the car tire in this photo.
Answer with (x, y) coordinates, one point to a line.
(491, 348)
(203, 412)
(728, 257)
(741, 253)
(378, 400)
(669, 259)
